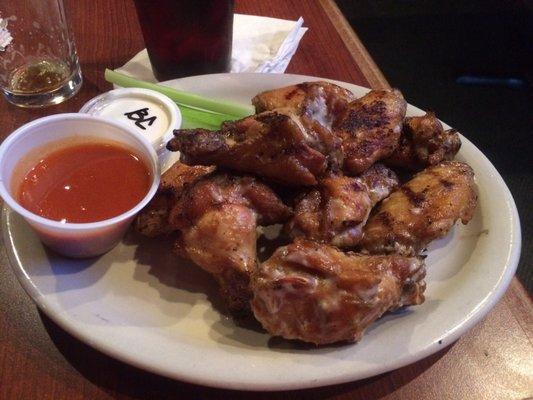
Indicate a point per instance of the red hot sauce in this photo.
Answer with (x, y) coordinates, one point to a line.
(85, 183)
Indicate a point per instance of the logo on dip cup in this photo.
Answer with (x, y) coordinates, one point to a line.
(72, 239)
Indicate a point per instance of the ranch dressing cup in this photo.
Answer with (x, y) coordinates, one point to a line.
(150, 113)
(32, 141)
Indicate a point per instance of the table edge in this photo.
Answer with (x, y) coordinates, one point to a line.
(357, 50)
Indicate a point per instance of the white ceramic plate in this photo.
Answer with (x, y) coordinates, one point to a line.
(142, 306)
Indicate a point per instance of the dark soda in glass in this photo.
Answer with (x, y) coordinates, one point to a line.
(187, 37)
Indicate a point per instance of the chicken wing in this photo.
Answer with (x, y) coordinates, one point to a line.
(319, 101)
(153, 219)
(423, 143)
(316, 293)
(273, 145)
(370, 129)
(421, 210)
(336, 211)
(217, 218)
(317, 105)
(306, 98)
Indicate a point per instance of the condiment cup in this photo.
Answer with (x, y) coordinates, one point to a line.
(150, 113)
(77, 240)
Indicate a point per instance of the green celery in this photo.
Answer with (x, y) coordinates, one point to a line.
(223, 109)
(194, 118)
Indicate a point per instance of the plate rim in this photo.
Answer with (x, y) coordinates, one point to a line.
(490, 300)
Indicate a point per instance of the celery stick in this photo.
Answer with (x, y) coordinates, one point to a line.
(193, 118)
(233, 110)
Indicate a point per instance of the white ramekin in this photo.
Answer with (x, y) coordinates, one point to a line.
(49, 133)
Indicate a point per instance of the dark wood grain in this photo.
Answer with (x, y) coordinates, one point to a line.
(38, 360)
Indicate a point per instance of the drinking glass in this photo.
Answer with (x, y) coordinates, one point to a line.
(187, 37)
(38, 61)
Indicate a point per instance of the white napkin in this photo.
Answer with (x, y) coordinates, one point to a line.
(260, 44)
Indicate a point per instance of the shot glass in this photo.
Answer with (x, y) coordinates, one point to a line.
(38, 61)
(187, 37)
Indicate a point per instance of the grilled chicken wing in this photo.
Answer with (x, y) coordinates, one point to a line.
(370, 129)
(318, 101)
(421, 210)
(317, 106)
(316, 293)
(306, 98)
(336, 211)
(153, 219)
(423, 143)
(273, 145)
(217, 218)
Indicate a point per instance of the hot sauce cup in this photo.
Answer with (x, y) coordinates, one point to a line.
(23, 146)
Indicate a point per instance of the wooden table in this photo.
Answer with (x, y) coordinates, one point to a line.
(38, 360)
